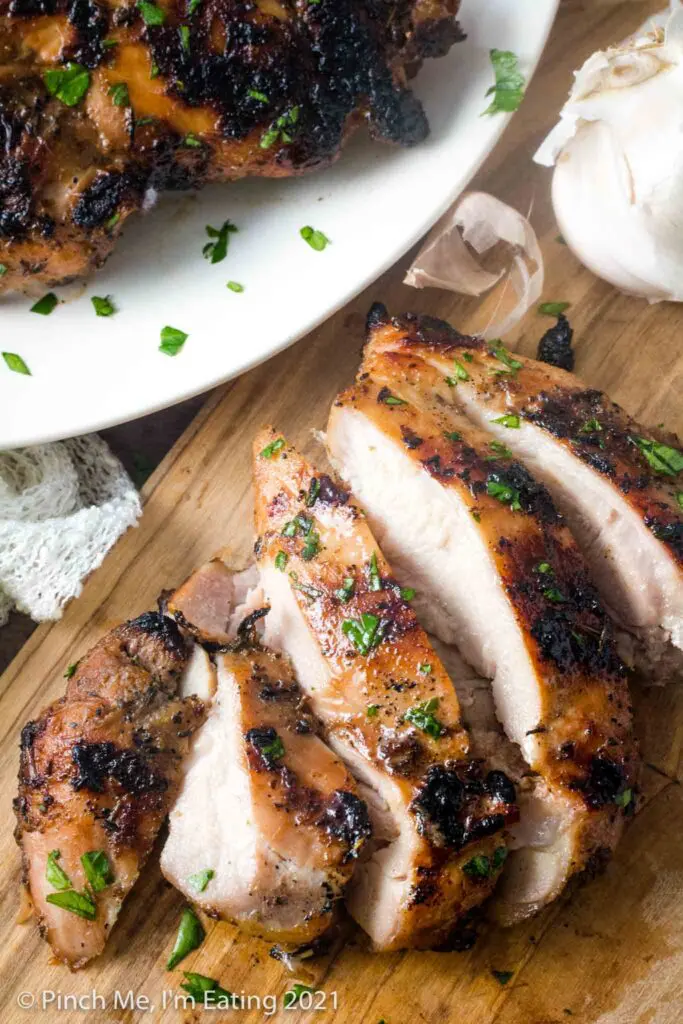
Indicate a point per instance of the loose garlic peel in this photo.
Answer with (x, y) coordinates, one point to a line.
(481, 221)
(618, 153)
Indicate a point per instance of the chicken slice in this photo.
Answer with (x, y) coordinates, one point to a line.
(268, 822)
(498, 574)
(98, 772)
(619, 485)
(386, 704)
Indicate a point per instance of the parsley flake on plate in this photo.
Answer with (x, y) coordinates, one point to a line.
(45, 305)
(316, 239)
(508, 91)
(235, 286)
(15, 363)
(216, 250)
(271, 449)
(172, 340)
(103, 305)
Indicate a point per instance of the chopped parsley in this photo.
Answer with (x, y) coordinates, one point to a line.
(313, 492)
(235, 286)
(113, 221)
(293, 996)
(71, 670)
(408, 593)
(216, 250)
(553, 308)
(365, 634)
(97, 869)
(425, 668)
(184, 33)
(679, 498)
(190, 937)
(591, 426)
(624, 799)
(280, 129)
(119, 94)
(201, 879)
(193, 5)
(372, 710)
(662, 458)
(316, 239)
(385, 396)
(502, 977)
(501, 450)
(374, 578)
(554, 595)
(498, 350)
(154, 70)
(69, 84)
(312, 546)
(508, 91)
(422, 717)
(459, 373)
(270, 450)
(545, 568)
(109, 44)
(151, 14)
(191, 141)
(254, 94)
(54, 873)
(273, 751)
(504, 493)
(78, 903)
(509, 420)
(452, 435)
(3, 269)
(205, 991)
(172, 340)
(346, 591)
(281, 560)
(15, 363)
(103, 305)
(310, 592)
(45, 305)
(482, 866)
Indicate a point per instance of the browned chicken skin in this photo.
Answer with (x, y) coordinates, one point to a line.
(264, 804)
(99, 771)
(178, 93)
(619, 484)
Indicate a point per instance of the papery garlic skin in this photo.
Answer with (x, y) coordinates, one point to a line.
(618, 152)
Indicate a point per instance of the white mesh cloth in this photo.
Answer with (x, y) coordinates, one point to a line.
(62, 507)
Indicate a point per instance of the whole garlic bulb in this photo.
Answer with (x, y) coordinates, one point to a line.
(618, 152)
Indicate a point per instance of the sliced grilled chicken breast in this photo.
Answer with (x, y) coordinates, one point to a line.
(265, 808)
(497, 573)
(387, 706)
(98, 772)
(268, 821)
(619, 485)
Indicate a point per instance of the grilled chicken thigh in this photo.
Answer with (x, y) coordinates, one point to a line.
(101, 102)
(268, 822)
(386, 704)
(497, 573)
(620, 486)
(99, 770)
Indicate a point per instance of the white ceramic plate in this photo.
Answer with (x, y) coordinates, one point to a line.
(89, 372)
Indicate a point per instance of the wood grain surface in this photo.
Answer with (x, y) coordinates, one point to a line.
(610, 952)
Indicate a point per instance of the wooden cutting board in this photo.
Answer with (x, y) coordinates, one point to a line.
(611, 952)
